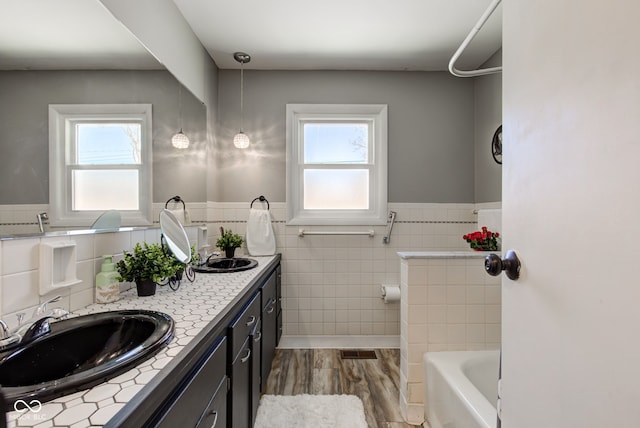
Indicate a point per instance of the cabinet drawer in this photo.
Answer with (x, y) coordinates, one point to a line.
(242, 325)
(188, 406)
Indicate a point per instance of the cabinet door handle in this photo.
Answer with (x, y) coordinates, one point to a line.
(272, 301)
(246, 358)
(215, 418)
(252, 321)
(271, 309)
(257, 337)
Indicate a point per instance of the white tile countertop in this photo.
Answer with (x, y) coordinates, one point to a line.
(193, 306)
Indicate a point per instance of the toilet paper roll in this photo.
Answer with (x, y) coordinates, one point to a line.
(390, 293)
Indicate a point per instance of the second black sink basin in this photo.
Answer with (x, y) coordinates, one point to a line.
(218, 265)
(81, 352)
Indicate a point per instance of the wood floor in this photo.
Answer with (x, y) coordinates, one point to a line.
(323, 371)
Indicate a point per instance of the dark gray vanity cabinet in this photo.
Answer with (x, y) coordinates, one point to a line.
(217, 379)
(204, 394)
(240, 406)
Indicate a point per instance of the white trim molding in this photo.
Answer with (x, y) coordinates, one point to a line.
(61, 118)
(375, 115)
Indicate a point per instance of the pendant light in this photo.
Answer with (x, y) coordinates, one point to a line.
(179, 140)
(241, 140)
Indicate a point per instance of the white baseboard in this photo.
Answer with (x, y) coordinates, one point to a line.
(338, 342)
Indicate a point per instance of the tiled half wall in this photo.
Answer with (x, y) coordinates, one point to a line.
(449, 303)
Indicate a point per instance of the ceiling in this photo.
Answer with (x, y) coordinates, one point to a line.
(278, 34)
(343, 34)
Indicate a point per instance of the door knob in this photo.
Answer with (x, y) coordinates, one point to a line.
(510, 264)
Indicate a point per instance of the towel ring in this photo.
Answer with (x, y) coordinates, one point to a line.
(261, 199)
(175, 199)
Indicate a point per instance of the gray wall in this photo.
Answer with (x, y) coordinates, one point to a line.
(431, 130)
(487, 118)
(24, 142)
(212, 119)
(434, 120)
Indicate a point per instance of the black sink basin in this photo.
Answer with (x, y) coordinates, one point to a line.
(217, 265)
(81, 352)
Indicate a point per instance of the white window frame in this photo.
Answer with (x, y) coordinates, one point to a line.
(299, 114)
(61, 117)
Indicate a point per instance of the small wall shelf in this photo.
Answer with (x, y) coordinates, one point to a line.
(57, 265)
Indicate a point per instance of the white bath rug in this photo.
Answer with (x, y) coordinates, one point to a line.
(310, 411)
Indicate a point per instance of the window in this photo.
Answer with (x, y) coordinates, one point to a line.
(99, 159)
(336, 164)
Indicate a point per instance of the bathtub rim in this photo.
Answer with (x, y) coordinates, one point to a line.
(450, 365)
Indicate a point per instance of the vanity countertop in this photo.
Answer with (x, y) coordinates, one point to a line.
(193, 306)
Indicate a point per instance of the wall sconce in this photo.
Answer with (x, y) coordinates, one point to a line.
(241, 140)
(179, 140)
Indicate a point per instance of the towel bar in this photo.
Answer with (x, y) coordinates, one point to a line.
(302, 232)
(261, 199)
(175, 199)
(392, 218)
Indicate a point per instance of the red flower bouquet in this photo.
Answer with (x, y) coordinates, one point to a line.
(483, 240)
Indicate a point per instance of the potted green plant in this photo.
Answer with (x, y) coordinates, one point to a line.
(228, 242)
(146, 265)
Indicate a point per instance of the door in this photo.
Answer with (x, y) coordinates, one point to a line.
(240, 394)
(255, 342)
(571, 211)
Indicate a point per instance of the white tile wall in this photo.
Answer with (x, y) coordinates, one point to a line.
(331, 284)
(19, 269)
(19, 258)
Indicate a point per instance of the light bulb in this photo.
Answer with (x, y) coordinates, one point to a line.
(180, 141)
(241, 140)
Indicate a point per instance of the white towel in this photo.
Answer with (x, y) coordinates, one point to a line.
(182, 215)
(260, 238)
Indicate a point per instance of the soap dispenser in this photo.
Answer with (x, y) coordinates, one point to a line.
(107, 284)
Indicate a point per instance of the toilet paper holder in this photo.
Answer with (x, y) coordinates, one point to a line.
(390, 293)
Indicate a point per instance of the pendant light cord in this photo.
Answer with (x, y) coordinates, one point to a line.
(180, 104)
(241, 95)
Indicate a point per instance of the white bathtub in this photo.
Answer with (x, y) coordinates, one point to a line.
(461, 389)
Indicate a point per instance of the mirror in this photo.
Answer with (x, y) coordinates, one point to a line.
(175, 236)
(89, 66)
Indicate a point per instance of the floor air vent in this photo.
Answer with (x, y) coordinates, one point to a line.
(355, 354)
